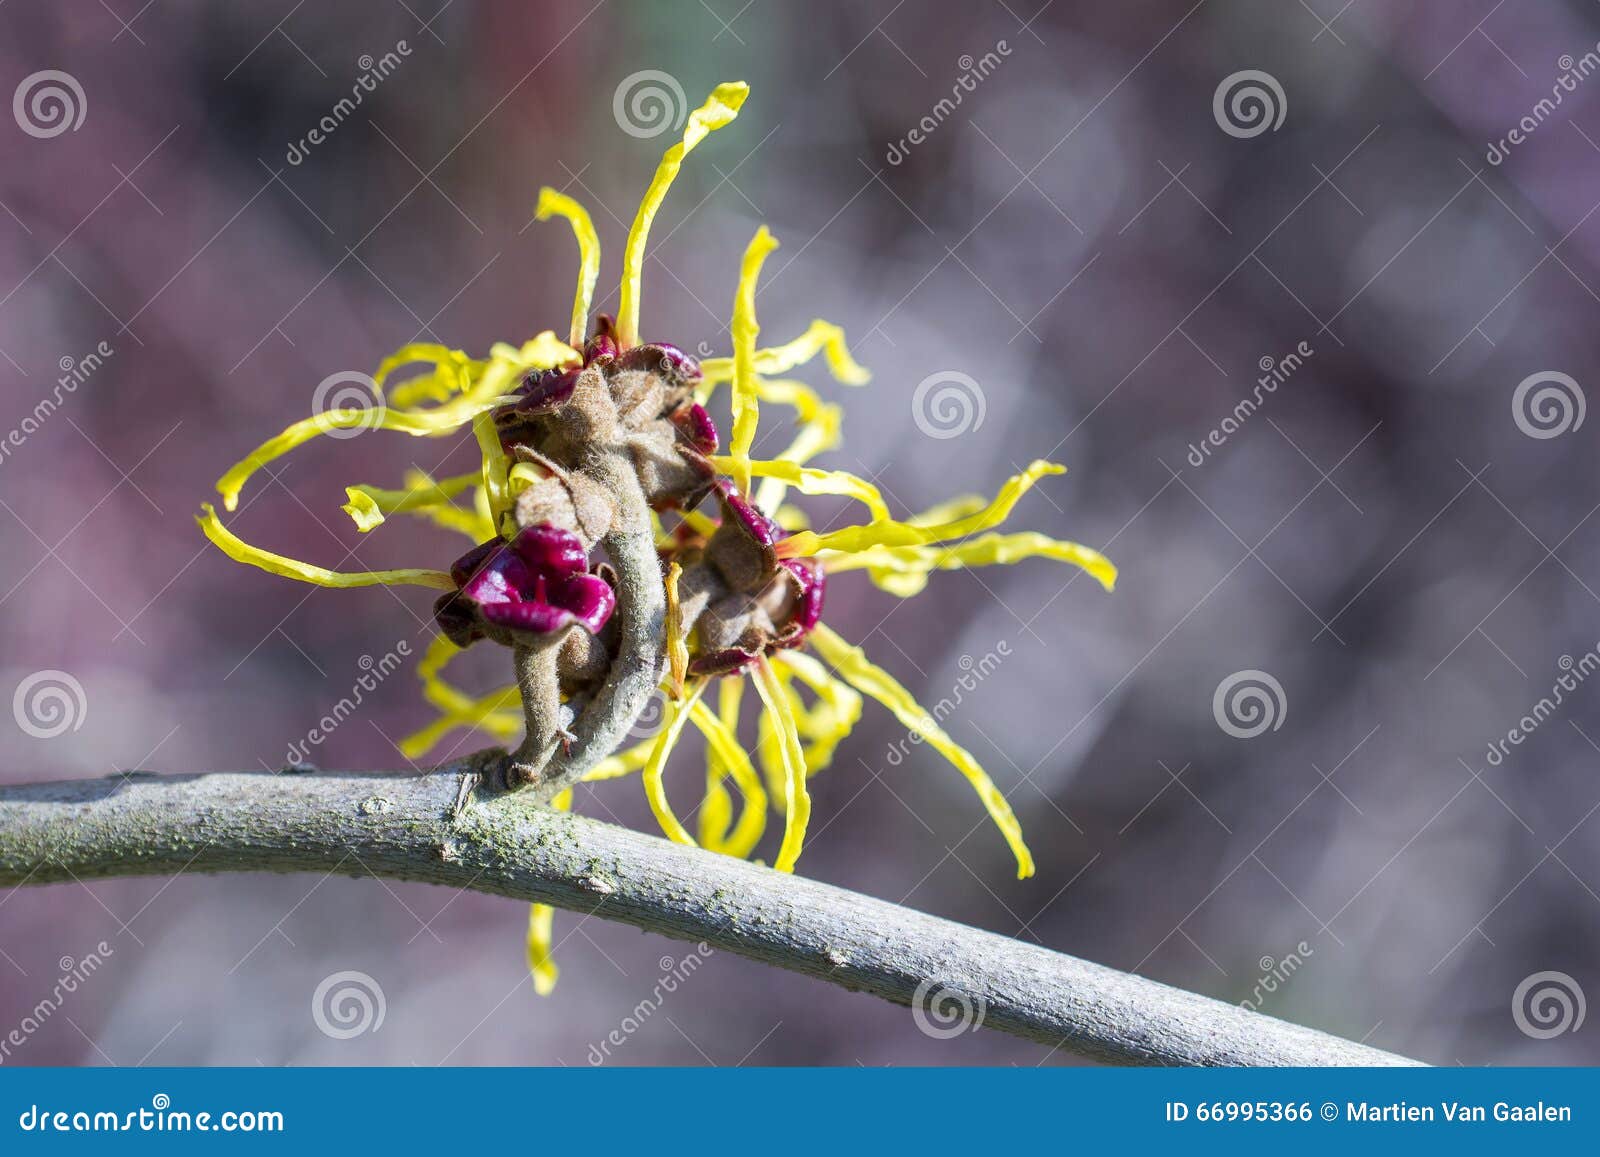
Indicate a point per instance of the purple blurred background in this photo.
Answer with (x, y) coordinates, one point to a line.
(1107, 258)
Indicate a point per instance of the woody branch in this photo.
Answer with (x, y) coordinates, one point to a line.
(447, 828)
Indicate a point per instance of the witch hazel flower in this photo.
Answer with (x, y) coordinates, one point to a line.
(619, 555)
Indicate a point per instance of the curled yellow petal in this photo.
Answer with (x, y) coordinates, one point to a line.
(809, 480)
(677, 714)
(541, 929)
(791, 517)
(851, 539)
(720, 108)
(746, 407)
(241, 551)
(725, 757)
(904, 570)
(949, 510)
(622, 763)
(797, 798)
(837, 711)
(474, 524)
(820, 337)
(434, 689)
(370, 505)
(506, 365)
(871, 680)
(541, 964)
(499, 713)
(496, 469)
(554, 203)
(677, 639)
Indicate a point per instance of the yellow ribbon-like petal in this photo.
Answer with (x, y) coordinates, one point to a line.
(903, 570)
(888, 532)
(541, 929)
(725, 757)
(796, 797)
(871, 680)
(435, 690)
(809, 480)
(746, 407)
(654, 788)
(624, 762)
(837, 711)
(677, 637)
(506, 365)
(453, 373)
(719, 109)
(552, 202)
(499, 713)
(820, 337)
(370, 505)
(241, 551)
(496, 468)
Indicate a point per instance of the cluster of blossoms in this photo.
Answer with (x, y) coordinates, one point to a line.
(711, 576)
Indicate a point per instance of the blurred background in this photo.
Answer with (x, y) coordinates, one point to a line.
(1273, 767)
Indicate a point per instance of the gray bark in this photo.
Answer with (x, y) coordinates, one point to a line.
(441, 828)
